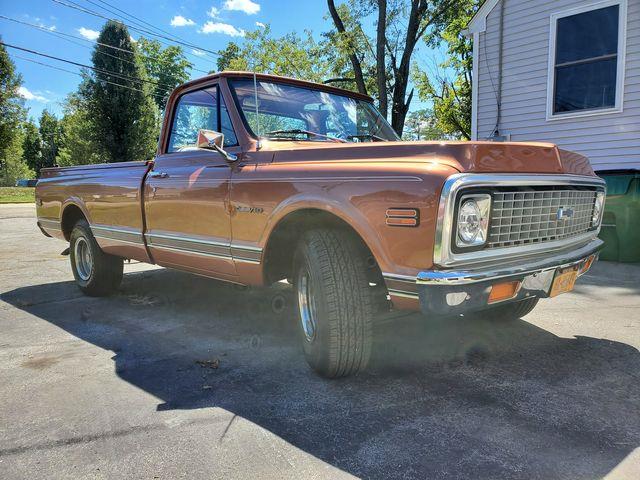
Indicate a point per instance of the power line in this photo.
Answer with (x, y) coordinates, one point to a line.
(62, 34)
(75, 6)
(130, 15)
(80, 74)
(122, 76)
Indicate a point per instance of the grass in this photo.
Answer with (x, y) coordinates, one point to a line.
(17, 195)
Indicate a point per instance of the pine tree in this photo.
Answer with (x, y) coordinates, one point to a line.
(120, 106)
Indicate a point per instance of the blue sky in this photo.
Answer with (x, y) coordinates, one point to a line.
(209, 24)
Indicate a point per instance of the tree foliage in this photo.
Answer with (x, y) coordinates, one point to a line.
(77, 129)
(291, 55)
(32, 145)
(122, 115)
(167, 67)
(14, 166)
(400, 26)
(51, 139)
(12, 114)
(422, 125)
(448, 87)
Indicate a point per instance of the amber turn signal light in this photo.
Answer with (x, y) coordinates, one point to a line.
(504, 291)
(402, 217)
(586, 265)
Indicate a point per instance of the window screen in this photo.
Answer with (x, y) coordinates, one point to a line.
(586, 60)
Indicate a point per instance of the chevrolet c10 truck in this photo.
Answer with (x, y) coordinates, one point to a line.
(259, 179)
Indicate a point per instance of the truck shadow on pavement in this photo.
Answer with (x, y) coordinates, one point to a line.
(456, 398)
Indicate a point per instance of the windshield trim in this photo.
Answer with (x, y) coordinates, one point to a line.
(252, 134)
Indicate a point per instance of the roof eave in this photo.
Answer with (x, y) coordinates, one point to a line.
(479, 21)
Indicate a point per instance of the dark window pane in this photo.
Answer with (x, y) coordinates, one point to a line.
(587, 35)
(586, 86)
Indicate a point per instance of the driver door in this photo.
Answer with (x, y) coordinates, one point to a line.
(187, 191)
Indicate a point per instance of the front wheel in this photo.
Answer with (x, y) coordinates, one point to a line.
(96, 273)
(335, 304)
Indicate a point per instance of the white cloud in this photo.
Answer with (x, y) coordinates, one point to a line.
(260, 24)
(217, 27)
(25, 93)
(199, 53)
(213, 12)
(180, 21)
(88, 34)
(246, 6)
(132, 39)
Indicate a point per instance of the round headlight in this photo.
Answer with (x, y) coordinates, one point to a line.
(597, 209)
(469, 217)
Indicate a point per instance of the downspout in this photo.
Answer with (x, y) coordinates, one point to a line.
(496, 132)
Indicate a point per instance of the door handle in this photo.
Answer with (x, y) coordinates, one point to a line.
(158, 174)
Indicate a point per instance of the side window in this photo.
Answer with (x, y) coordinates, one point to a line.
(199, 110)
(585, 67)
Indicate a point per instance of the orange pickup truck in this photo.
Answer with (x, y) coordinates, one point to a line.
(260, 178)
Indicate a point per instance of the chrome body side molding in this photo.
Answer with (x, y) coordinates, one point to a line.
(207, 248)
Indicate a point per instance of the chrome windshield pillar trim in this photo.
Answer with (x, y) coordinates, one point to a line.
(504, 270)
(442, 254)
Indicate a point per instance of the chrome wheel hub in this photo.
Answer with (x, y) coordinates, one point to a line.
(306, 305)
(83, 259)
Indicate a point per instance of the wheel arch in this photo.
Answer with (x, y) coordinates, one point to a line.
(289, 229)
(71, 213)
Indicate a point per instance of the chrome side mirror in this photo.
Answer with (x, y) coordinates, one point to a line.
(212, 140)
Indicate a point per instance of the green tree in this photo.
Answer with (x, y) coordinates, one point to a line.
(78, 145)
(119, 101)
(51, 138)
(32, 146)
(388, 57)
(290, 55)
(449, 86)
(167, 67)
(422, 125)
(12, 112)
(14, 167)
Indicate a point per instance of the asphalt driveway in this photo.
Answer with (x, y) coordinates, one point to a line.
(182, 377)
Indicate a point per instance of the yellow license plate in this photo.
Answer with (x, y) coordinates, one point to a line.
(563, 281)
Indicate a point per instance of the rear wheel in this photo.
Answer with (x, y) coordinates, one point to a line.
(511, 311)
(96, 273)
(335, 304)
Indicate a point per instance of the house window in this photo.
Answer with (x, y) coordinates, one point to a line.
(587, 60)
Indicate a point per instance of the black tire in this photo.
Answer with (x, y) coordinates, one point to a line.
(511, 311)
(337, 291)
(104, 272)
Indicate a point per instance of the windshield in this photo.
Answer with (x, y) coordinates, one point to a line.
(291, 112)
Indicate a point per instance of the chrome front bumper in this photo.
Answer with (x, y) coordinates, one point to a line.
(447, 292)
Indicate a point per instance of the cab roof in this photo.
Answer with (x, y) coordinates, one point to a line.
(278, 79)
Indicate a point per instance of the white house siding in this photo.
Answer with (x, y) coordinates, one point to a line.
(611, 141)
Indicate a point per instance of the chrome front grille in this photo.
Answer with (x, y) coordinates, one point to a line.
(522, 217)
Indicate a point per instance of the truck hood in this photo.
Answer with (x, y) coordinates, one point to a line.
(479, 157)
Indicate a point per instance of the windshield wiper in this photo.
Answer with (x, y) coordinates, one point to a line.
(308, 133)
(368, 135)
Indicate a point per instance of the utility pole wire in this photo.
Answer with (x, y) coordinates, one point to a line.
(75, 6)
(122, 76)
(139, 19)
(62, 34)
(80, 74)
